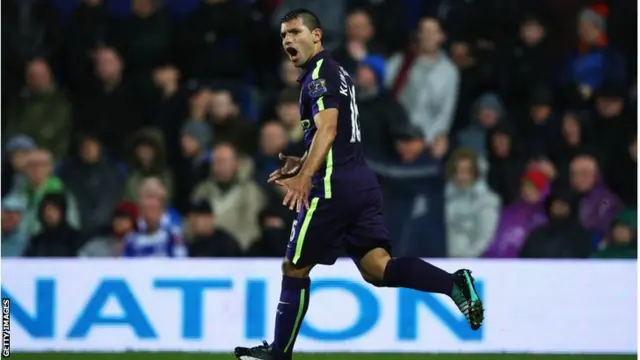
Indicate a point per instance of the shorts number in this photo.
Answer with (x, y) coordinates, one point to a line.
(293, 230)
(355, 123)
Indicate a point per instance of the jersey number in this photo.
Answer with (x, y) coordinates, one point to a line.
(355, 123)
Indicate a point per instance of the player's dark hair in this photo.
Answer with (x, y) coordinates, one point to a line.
(309, 19)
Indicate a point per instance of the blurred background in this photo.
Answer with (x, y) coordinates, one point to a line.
(498, 128)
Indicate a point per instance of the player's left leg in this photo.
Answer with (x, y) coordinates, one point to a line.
(369, 247)
(380, 269)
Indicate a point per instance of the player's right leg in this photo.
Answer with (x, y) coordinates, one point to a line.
(314, 235)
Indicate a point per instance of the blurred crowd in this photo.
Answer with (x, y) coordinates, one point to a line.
(498, 128)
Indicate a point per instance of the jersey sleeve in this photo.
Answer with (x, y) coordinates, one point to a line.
(324, 89)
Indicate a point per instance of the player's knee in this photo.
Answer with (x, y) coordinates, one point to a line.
(289, 269)
(375, 280)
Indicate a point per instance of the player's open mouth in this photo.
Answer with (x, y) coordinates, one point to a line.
(293, 53)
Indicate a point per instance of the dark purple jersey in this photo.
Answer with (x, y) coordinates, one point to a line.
(325, 85)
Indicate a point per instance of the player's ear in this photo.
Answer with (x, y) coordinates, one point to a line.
(317, 36)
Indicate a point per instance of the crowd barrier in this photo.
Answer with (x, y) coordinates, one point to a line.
(214, 305)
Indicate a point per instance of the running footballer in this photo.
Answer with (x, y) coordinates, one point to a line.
(338, 199)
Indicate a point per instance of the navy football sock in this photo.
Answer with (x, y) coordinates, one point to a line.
(413, 273)
(293, 305)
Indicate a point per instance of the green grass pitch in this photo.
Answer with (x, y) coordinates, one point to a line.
(203, 356)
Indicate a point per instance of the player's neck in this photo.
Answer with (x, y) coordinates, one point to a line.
(317, 50)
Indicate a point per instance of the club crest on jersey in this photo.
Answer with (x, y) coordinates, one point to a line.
(306, 124)
(317, 88)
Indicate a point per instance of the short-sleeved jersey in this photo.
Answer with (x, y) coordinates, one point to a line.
(325, 85)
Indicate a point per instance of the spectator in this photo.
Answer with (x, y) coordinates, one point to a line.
(538, 127)
(95, 181)
(612, 123)
(505, 164)
(472, 209)
(57, 237)
(598, 205)
(528, 62)
(275, 234)
(153, 236)
(18, 148)
(152, 190)
(213, 42)
(113, 109)
(32, 28)
(237, 199)
(389, 19)
(111, 242)
(563, 236)
(287, 78)
(13, 239)
(145, 40)
(574, 138)
(193, 165)
(595, 62)
(273, 141)
(288, 113)
(520, 217)
(409, 144)
(486, 114)
(622, 242)
(169, 108)
(43, 112)
(149, 160)
(206, 240)
(88, 28)
(40, 181)
(623, 177)
(426, 82)
(381, 111)
(227, 124)
(359, 41)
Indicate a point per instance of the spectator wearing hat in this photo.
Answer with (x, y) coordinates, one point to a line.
(622, 240)
(598, 204)
(43, 113)
(379, 112)
(148, 159)
(56, 238)
(110, 243)
(193, 166)
(13, 239)
(40, 180)
(563, 236)
(595, 62)
(95, 181)
(205, 239)
(521, 216)
(17, 149)
(538, 126)
(487, 112)
(612, 122)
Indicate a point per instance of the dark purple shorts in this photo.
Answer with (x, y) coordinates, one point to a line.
(350, 222)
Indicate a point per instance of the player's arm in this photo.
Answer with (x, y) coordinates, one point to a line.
(326, 130)
(325, 103)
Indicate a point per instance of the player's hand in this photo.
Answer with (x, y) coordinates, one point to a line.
(298, 192)
(291, 167)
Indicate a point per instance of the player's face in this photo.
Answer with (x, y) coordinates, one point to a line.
(298, 41)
